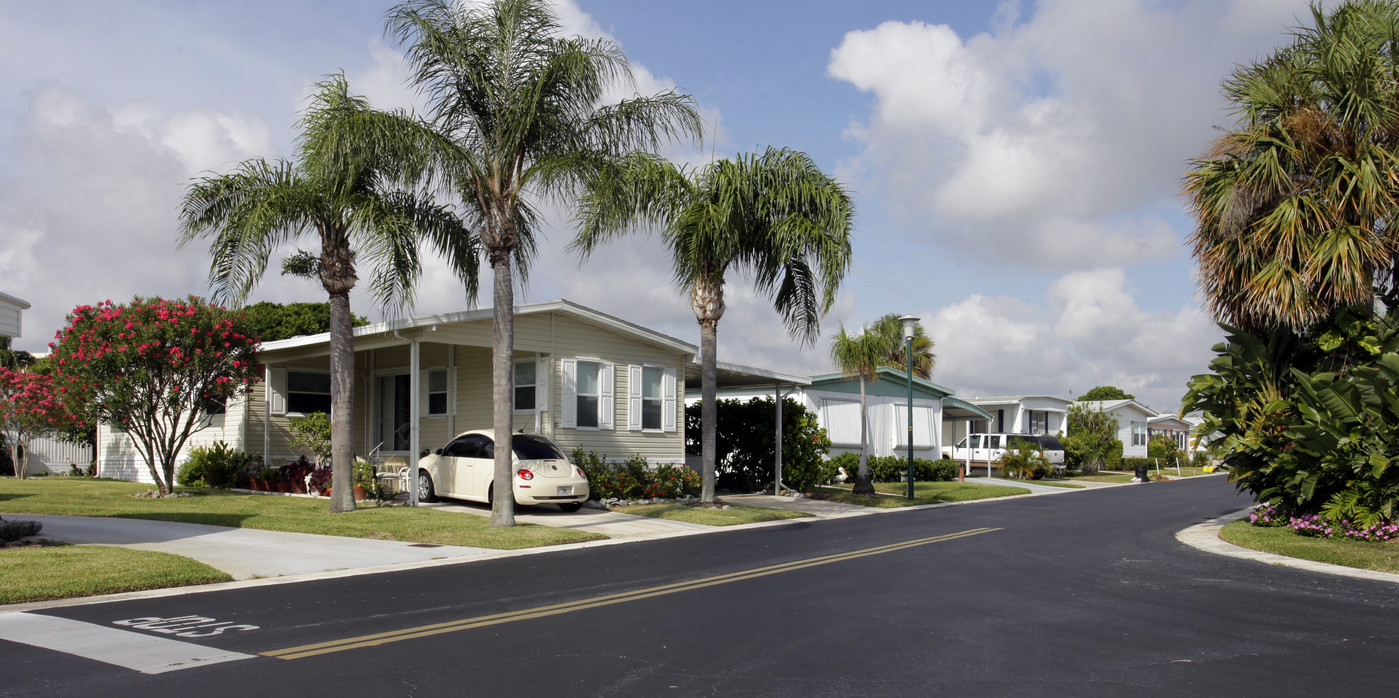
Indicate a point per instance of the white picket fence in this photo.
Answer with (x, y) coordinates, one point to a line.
(55, 456)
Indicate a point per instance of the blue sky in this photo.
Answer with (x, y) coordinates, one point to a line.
(1015, 165)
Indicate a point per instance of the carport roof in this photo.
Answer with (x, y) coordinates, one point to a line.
(958, 408)
(736, 376)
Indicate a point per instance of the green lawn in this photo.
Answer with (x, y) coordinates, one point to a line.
(66, 571)
(1057, 483)
(710, 517)
(88, 497)
(923, 493)
(1383, 557)
(1102, 477)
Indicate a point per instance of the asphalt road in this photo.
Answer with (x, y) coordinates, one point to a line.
(1085, 594)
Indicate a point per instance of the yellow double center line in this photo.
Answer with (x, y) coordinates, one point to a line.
(350, 643)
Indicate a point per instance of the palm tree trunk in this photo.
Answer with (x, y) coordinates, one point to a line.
(863, 484)
(707, 300)
(342, 399)
(502, 385)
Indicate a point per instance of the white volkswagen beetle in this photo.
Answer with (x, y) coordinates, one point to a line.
(465, 469)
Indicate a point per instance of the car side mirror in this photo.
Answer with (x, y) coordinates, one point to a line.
(424, 453)
(438, 452)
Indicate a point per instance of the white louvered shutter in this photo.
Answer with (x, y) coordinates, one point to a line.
(634, 397)
(277, 390)
(607, 401)
(668, 406)
(569, 395)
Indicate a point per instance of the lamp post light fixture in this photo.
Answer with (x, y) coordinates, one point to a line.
(910, 324)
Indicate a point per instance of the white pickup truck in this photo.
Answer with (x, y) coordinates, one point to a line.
(990, 447)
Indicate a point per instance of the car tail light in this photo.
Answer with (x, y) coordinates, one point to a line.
(524, 474)
(579, 472)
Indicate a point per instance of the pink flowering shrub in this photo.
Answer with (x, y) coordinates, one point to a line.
(1274, 515)
(30, 406)
(152, 368)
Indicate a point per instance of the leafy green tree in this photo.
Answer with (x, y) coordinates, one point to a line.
(346, 192)
(523, 109)
(1164, 450)
(10, 358)
(1294, 204)
(274, 321)
(1090, 439)
(775, 216)
(860, 356)
(150, 368)
(1106, 392)
(745, 443)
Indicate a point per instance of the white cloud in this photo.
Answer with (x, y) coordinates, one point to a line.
(1052, 133)
(1091, 331)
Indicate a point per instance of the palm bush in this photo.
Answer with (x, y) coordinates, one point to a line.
(1024, 461)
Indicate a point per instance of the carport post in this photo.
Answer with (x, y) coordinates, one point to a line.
(777, 450)
(415, 387)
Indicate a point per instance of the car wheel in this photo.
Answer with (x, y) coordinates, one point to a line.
(570, 506)
(425, 491)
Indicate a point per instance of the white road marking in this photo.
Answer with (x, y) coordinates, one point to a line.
(144, 653)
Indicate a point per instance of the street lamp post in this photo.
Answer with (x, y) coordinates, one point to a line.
(910, 322)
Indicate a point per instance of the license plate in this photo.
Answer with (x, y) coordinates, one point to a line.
(565, 490)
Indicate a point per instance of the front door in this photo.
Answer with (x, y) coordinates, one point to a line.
(393, 425)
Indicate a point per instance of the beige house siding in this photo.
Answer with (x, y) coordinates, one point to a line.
(117, 456)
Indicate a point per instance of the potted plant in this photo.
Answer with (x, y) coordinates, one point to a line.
(320, 481)
(266, 480)
(294, 476)
(365, 482)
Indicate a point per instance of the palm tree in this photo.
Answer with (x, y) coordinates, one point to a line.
(346, 191)
(861, 356)
(774, 215)
(523, 108)
(891, 328)
(1295, 204)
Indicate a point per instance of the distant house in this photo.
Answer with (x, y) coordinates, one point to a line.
(1172, 427)
(1013, 414)
(835, 399)
(1133, 423)
(582, 378)
(11, 309)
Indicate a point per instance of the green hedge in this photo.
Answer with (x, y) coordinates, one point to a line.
(894, 468)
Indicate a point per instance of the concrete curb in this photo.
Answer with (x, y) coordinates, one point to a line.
(1205, 536)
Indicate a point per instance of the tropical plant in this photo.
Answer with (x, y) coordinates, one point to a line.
(891, 328)
(776, 216)
(860, 356)
(1024, 460)
(218, 465)
(313, 432)
(1106, 392)
(1090, 439)
(347, 192)
(151, 368)
(523, 109)
(1294, 204)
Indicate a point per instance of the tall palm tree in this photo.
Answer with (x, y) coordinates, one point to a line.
(346, 191)
(776, 216)
(861, 356)
(891, 328)
(523, 107)
(1295, 204)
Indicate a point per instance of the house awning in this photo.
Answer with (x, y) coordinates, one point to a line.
(955, 408)
(736, 376)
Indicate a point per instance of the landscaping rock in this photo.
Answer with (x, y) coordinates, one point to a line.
(11, 531)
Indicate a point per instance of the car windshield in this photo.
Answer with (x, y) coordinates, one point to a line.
(531, 447)
(1050, 443)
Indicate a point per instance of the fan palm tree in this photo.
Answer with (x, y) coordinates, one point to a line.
(861, 356)
(523, 108)
(774, 215)
(891, 328)
(1295, 205)
(346, 192)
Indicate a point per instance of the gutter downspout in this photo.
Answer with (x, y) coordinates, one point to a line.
(414, 390)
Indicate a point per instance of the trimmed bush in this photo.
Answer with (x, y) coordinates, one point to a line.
(219, 466)
(633, 478)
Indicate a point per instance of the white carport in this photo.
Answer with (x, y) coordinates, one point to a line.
(737, 377)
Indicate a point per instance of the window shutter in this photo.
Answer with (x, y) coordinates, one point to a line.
(541, 384)
(277, 391)
(634, 398)
(606, 404)
(569, 394)
(423, 384)
(668, 406)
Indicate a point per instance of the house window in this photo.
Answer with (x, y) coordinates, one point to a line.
(524, 385)
(652, 396)
(1000, 420)
(1138, 433)
(589, 393)
(1038, 422)
(213, 406)
(437, 392)
(308, 392)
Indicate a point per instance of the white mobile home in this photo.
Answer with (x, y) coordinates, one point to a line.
(1133, 423)
(582, 378)
(1013, 414)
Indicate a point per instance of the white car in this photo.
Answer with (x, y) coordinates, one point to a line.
(990, 447)
(465, 469)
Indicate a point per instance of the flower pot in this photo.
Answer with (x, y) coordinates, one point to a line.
(260, 485)
(360, 494)
(298, 487)
(284, 487)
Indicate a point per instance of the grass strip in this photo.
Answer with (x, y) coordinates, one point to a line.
(1382, 557)
(710, 517)
(923, 493)
(90, 497)
(66, 571)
